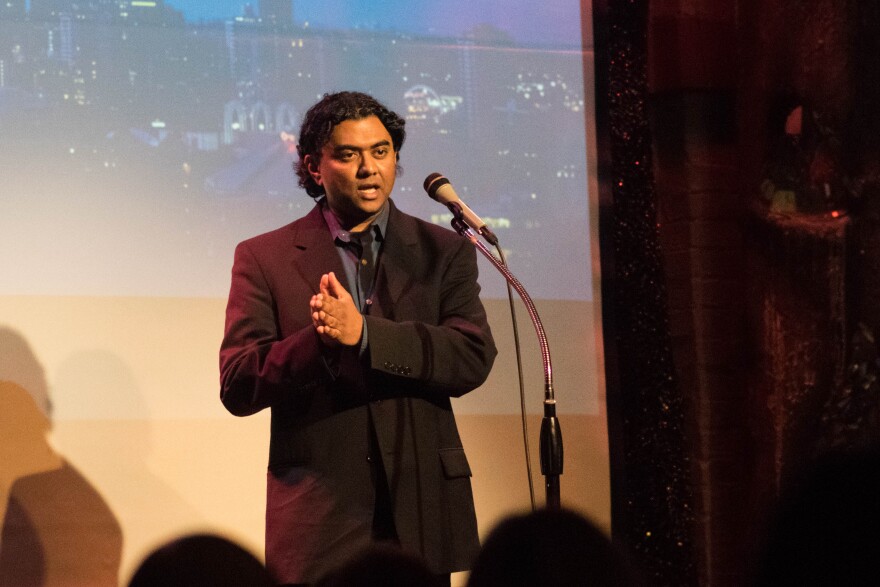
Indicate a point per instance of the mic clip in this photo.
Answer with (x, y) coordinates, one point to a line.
(455, 208)
(459, 218)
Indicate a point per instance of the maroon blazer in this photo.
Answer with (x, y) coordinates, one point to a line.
(429, 340)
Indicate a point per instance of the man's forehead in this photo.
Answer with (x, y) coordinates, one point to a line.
(362, 132)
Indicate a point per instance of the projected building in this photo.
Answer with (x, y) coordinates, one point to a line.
(276, 14)
(239, 118)
(423, 103)
(135, 12)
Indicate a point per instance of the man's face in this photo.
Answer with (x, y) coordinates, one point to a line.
(357, 169)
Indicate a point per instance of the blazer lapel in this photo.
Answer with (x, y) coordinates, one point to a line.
(316, 253)
(398, 256)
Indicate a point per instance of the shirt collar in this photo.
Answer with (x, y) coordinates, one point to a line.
(378, 226)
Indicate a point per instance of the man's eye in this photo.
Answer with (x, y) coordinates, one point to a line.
(346, 156)
(381, 152)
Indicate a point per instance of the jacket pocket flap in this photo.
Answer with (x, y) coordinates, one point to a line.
(455, 463)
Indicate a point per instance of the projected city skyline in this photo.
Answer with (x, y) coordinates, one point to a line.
(200, 119)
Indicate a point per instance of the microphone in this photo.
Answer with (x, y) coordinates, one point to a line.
(439, 188)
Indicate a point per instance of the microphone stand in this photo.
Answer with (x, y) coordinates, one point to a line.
(551, 433)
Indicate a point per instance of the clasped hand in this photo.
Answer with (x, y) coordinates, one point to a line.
(335, 314)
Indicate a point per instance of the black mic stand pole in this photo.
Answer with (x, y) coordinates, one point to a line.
(551, 433)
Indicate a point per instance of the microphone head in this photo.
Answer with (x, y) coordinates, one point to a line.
(434, 182)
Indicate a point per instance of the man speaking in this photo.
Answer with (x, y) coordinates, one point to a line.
(356, 324)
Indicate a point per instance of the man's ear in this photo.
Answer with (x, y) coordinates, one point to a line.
(314, 170)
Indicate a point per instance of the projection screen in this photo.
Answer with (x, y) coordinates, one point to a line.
(141, 140)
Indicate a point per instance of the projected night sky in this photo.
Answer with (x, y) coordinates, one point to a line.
(540, 23)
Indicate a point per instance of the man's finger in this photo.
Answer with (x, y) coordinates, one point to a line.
(324, 286)
(335, 286)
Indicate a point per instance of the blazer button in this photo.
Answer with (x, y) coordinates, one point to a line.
(387, 364)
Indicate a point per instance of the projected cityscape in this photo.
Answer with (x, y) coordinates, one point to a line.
(133, 103)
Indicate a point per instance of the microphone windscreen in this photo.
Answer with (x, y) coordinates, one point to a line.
(434, 182)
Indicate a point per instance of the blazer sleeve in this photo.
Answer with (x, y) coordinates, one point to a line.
(257, 365)
(450, 354)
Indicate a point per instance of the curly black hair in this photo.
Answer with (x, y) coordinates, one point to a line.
(332, 109)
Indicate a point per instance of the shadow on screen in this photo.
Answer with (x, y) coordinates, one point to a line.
(56, 526)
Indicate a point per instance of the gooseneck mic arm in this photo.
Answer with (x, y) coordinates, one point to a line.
(551, 433)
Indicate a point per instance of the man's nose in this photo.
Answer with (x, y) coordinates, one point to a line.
(368, 166)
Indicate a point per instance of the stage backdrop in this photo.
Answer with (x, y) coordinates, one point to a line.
(140, 141)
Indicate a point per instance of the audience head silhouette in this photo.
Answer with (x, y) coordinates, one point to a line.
(824, 530)
(550, 548)
(380, 565)
(201, 560)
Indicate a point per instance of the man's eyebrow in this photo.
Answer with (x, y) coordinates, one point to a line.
(382, 143)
